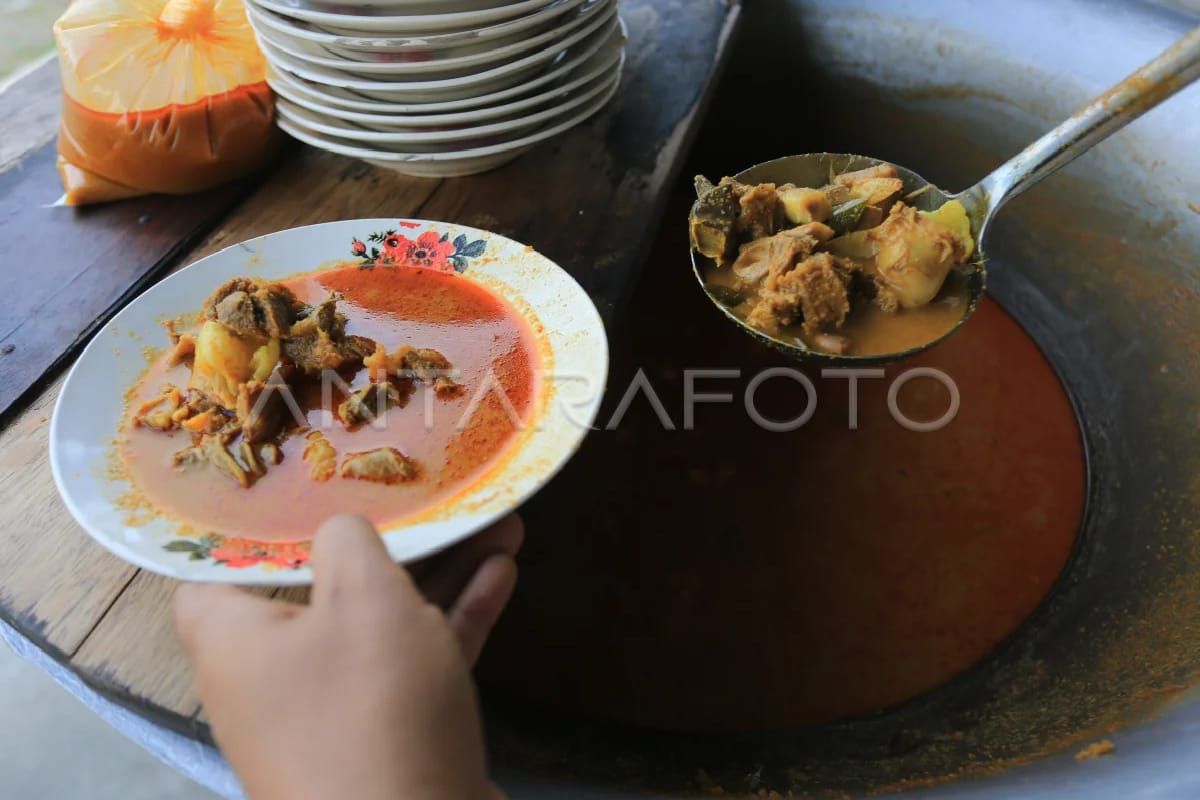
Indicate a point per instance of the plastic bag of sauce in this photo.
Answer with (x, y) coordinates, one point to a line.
(159, 96)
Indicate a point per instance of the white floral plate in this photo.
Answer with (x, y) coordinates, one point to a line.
(570, 337)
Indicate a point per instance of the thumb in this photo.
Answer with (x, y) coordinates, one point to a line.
(349, 557)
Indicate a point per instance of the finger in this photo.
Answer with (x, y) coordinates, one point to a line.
(208, 613)
(349, 557)
(442, 578)
(504, 536)
(477, 609)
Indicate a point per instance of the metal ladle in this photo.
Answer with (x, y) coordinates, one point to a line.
(1161, 78)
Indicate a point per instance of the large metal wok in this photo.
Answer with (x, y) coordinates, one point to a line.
(1101, 264)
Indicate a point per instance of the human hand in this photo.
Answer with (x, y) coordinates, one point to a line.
(365, 693)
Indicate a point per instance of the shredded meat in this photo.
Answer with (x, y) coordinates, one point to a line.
(384, 465)
(320, 455)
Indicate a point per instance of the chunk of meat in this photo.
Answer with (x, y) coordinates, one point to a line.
(205, 422)
(214, 450)
(760, 211)
(815, 291)
(252, 307)
(382, 365)
(270, 454)
(784, 254)
(447, 387)
(260, 408)
(368, 403)
(818, 232)
(183, 350)
(432, 368)
(159, 412)
(250, 457)
(318, 341)
(779, 253)
(320, 456)
(383, 465)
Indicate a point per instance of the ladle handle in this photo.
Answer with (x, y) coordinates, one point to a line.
(1171, 71)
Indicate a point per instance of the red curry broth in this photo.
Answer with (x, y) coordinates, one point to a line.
(735, 579)
(476, 330)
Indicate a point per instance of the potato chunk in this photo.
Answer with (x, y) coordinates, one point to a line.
(224, 360)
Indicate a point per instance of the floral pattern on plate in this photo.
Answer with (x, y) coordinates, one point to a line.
(429, 250)
(237, 553)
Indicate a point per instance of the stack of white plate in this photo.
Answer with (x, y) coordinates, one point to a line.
(437, 87)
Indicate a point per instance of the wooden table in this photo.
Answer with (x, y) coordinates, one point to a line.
(589, 200)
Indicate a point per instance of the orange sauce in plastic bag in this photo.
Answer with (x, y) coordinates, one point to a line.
(159, 96)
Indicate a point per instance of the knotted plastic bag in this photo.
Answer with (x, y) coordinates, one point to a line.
(159, 96)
